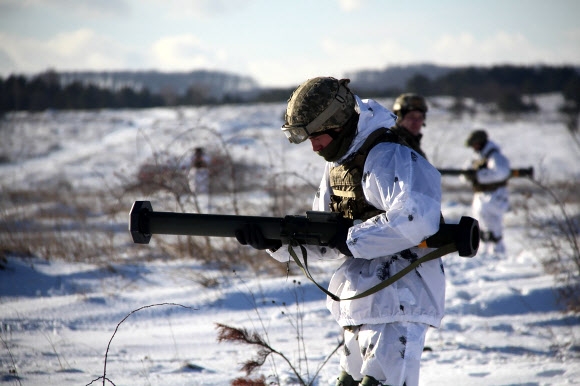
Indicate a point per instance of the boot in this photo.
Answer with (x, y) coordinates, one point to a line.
(369, 381)
(498, 245)
(345, 379)
(499, 249)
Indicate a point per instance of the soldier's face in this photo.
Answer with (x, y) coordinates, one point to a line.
(477, 146)
(413, 122)
(319, 142)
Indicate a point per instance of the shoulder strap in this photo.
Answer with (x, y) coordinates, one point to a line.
(439, 252)
(380, 135)
(376, 137)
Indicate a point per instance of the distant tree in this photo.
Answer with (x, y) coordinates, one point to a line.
(571, 91)
(274, 95)
(194, 96)
(420, 84)
(459, 107)
(513, 103)
(72, 95)
(14, 94)
(571, 107)
(44, 91)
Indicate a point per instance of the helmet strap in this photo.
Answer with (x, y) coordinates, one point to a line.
(339, 102)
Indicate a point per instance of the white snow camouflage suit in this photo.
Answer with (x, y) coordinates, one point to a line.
(490, 205)
(408, 188)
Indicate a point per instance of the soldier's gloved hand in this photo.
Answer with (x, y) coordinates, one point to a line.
(251, 234)
(339, 239)
(471, 175)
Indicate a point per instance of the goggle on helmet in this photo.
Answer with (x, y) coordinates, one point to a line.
(341, 100)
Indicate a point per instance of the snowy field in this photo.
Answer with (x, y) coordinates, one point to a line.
(128, 317)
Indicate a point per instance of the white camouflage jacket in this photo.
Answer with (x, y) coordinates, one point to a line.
(408, 188)
(498, 166)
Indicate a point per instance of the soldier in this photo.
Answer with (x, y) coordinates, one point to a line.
(490, 197)
(199, 180)
(393, 197)
(411, 110)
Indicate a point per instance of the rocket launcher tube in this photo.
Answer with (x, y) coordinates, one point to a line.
(514, 173)
(316, 228)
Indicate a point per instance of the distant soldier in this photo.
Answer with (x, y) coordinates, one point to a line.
(199, 180)
(490, 198)
(411, 110)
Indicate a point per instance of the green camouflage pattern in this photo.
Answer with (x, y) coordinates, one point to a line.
(312, 97)
(409, 102)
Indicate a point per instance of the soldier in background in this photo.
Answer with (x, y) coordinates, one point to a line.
(490, 197)
(199, 176)
(411, 110)
(199, 181)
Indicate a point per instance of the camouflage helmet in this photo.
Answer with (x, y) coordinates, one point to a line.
(476, 137)
(409, 102)
(319, 104)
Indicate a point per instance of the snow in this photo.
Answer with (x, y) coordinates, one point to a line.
(155, 318)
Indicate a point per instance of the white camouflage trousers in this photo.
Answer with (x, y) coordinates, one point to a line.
(390, 353)
(489, 209)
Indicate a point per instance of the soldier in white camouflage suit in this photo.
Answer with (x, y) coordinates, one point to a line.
(393, 196)
(490, 192)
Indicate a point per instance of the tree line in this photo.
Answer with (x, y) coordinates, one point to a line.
(504, 85)
(45, 91)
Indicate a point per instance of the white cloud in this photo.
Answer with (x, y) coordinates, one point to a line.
(180, 9)
(501, 47)
(185, 52)
(334, 58)
(85, 50)
(350, 5)
(87, 8)
(78, 50)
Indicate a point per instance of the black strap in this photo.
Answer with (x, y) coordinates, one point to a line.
(380, 135)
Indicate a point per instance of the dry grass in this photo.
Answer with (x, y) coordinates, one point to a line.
(59, 222)
(553, 219)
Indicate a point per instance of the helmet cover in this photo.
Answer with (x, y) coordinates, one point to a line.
(476, 137)
(409, 102)
(313, 97)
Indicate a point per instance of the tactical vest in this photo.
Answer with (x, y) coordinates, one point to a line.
(346, 179)
(482, 164)
(412, 141)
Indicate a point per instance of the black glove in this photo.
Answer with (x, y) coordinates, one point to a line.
(471, 175)
(251, 234)
(339, 239)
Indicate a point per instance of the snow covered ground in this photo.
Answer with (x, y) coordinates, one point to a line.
(141, 320)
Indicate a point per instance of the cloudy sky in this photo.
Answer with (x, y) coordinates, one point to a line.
(283, 42)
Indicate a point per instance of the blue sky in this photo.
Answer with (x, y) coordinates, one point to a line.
(282, 43)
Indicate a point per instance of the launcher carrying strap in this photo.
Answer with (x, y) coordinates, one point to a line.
(439, 252)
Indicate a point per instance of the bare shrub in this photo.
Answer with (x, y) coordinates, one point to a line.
(170, 173)
(553, 217)
(265, 351)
